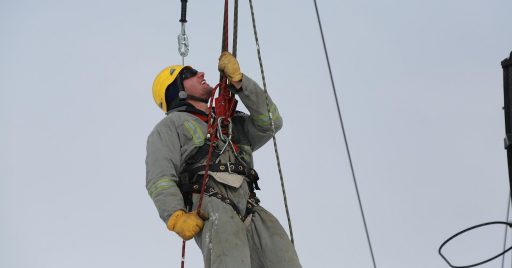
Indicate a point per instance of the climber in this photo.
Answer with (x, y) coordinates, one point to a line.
(232, 230)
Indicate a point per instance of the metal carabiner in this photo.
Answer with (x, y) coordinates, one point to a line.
(220, 135)
(227, 140)
(183, 44)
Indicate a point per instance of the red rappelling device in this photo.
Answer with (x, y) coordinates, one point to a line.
(225, 103)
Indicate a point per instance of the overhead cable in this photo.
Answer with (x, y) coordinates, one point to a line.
(276, 151)
(507, 224)
(345, 136)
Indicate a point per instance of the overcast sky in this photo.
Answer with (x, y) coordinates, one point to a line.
(421, 91)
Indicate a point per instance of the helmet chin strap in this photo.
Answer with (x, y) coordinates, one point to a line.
(184, 96)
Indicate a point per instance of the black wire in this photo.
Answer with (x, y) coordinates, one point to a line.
(345, 136)
(467, 230)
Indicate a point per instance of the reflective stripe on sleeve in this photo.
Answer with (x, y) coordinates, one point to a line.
(162, 184)
(264, 120)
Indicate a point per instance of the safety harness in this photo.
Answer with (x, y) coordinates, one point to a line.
(191, 178)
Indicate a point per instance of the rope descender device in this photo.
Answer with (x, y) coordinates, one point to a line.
(183, 44)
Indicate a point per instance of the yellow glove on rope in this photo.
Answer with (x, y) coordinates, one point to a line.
(186, 225)
(229, 66)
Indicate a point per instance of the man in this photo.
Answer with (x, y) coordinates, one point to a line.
(238, 233)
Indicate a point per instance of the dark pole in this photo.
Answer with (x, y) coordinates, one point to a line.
(506, 64)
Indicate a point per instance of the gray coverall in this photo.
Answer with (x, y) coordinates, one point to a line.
(226, 241)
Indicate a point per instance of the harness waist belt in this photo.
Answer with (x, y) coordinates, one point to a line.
(239, 169)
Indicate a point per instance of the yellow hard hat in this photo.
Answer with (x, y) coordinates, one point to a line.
(162, 81)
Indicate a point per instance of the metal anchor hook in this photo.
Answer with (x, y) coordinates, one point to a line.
(183, 44)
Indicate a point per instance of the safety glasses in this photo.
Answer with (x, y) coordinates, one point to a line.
(187, 73)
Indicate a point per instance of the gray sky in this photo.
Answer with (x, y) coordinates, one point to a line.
(420, 85)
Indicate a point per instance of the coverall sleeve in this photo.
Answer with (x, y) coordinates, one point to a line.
(258, 126)
(163, 160)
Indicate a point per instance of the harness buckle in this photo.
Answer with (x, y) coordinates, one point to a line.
(210, 192)
(230, 167)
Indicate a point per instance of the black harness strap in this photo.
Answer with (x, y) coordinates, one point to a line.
(239, 169)
(252, 202)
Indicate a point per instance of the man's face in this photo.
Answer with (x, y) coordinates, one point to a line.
(197, 86)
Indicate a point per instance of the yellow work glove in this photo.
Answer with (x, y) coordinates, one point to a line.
(229, 66)
(186, 225)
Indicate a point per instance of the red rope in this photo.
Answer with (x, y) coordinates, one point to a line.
(225, 30)
(225, 99)
(225, 104)
(183, 244)
(212, 128)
